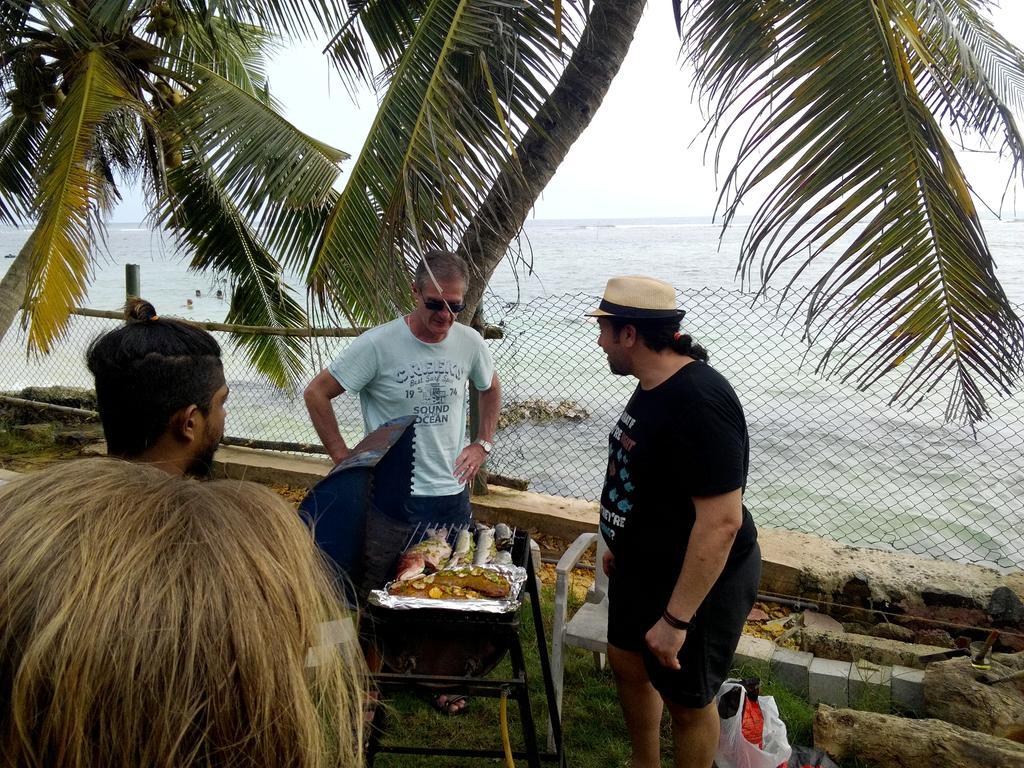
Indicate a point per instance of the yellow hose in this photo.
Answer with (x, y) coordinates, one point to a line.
(506, 743)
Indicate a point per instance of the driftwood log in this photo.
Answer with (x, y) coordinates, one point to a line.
(897, 742)
(956, 692)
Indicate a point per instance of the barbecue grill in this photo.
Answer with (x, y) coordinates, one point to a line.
(450, 648)
(454, 650)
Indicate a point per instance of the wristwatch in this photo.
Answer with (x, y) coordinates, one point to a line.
(485, 444)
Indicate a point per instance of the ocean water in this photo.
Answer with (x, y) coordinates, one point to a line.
(825, 458)
(553, 257)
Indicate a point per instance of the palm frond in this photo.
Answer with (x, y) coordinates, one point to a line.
(13, 16)
(837, 124)
(201, 216)
(235, 51)
(67, 203)
(471, 79)
(304, 18)
(20, 147)
(118, 139)
(976, 79)
(116, 17)
(259, 158)
(381, 30)
(66, 20)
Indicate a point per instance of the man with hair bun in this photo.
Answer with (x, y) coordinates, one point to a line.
(683, 560)
(160, 390)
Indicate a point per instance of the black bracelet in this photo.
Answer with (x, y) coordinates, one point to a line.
(675, 623)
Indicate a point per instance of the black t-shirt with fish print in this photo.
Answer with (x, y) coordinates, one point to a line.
(686, 437)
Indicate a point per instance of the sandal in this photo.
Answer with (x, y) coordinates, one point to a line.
(452, 705)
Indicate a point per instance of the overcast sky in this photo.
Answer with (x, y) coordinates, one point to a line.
(636, 158)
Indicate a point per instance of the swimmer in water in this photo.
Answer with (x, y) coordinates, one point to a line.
(188, 303)
(198, 293)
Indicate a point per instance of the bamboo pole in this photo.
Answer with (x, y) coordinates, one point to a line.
(40, 406)
(273, 445)
(261, 330)
(490, 331)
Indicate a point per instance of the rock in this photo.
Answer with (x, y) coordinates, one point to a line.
(815, 620)
(79, 437)
(1005, 609)
(921, 617)
(36, 433)
(846, 646)
(72, 397)
(1011, 643)
(954, 693)
(897, 742)
(871, 578)
(539, 412)
(756, 614)
(892, 632)
(857, 628)
(936, 637)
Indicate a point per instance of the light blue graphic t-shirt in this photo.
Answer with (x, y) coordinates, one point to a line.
(395, 374)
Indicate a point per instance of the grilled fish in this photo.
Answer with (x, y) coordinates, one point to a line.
(469, 582)
(428, 556)
(502, 537)
(485, 548)
(463, 546)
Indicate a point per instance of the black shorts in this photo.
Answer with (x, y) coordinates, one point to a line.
(707, 653)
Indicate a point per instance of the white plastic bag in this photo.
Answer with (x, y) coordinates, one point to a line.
(734, 751)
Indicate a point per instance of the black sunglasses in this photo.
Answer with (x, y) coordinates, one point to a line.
(436, 305)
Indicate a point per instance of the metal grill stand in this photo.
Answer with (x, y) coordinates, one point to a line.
(502, 628)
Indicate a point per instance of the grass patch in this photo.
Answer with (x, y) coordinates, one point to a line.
(595, 735)
(18, 451)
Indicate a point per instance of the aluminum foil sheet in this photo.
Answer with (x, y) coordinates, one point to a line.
(515, 575)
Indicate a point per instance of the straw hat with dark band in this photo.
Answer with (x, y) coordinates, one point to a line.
(638, 298)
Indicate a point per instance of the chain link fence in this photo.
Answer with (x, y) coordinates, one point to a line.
(826, 459)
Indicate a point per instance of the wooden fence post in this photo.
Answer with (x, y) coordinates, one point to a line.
(132, 281)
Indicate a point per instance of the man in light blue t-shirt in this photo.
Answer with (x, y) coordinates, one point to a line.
(420, 365)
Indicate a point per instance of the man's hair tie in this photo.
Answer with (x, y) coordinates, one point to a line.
(677, 335)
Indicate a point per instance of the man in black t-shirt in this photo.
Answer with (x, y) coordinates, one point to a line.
(683, 561)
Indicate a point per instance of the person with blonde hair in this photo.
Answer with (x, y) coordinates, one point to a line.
(151, 620)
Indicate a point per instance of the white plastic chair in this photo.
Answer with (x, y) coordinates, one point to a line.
(588, 627)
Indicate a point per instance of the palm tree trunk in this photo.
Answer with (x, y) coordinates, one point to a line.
(12, 288)
(563, 117)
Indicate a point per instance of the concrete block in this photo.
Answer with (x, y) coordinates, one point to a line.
(849, 646)
(908, 690)
(870, 687)
(829, 682)
(553, 515)
(753, 651)
(269, 468)
(792, 669)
